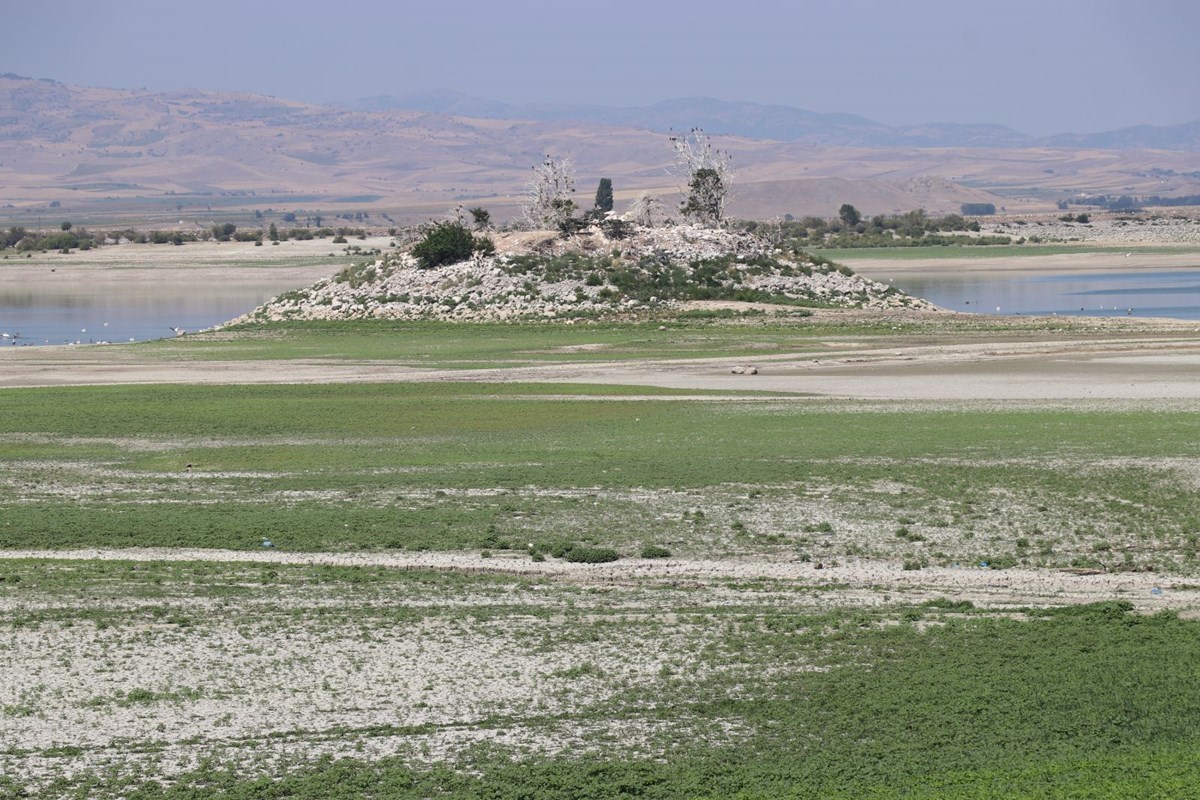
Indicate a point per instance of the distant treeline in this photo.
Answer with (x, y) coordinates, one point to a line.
(1129, 203)
(911, 229)
(66, 239)
(71, 238)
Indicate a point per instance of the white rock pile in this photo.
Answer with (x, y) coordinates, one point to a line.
(542, 275)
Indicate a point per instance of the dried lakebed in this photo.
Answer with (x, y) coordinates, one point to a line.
(824, 625)
(134, 667)
(155, 667)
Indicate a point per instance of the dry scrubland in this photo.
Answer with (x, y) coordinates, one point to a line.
(1107, 229)
(918, 554)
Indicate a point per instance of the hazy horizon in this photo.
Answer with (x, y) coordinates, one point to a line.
(1078, 67)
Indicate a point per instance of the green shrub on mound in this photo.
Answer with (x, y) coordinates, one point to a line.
(449, 243)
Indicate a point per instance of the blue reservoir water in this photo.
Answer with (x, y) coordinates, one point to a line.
(115, 307)
(85, 315)
(1159, 293)
(50, 310)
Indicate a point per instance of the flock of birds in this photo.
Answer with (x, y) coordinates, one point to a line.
(1128, 311)
(12, 338)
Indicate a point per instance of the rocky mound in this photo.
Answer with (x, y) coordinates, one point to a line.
(625, 271)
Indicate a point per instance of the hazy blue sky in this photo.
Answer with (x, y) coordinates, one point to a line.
(1040, 66)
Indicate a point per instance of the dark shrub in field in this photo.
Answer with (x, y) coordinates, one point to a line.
(590, 555)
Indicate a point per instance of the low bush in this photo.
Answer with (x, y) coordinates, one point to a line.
(581, 554)
(450, 243)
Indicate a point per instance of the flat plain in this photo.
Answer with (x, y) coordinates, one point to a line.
(916, 554)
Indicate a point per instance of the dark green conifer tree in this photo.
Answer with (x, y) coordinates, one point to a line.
(604, 195)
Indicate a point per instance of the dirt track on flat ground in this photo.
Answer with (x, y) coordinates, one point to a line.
(853, 581)
(1129, 368)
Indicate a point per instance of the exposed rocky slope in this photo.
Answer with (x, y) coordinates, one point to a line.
(541, 275)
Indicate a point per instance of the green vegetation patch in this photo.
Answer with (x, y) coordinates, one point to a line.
(504, 466)
(492, 345)
(696, 333)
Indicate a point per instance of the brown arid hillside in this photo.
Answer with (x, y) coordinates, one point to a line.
(106, 152)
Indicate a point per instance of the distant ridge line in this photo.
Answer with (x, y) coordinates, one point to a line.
(784, 123)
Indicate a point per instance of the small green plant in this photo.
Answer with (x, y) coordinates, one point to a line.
(140, 695)
(655, 551)
(559, 549)
(947, 604)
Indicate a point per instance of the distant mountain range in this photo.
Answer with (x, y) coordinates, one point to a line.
(784, 123)
(95, 151)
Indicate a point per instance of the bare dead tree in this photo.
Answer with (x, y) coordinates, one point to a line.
(647, 211)
(705, 174)
(771, 230)
(548, 199)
